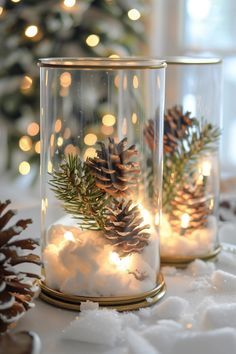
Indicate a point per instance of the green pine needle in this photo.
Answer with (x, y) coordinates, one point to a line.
(74, 185)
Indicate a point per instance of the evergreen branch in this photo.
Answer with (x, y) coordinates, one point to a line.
(74, 185)
(182, 163)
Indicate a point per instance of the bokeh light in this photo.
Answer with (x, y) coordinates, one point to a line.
(134, 118)
(25, 143)
(69, 3)
(92, 40)
(31, 31)
(60, 141)
(90, 139)
(107, 130)
(71, 149)
(24, 168)
(33, 129)
(65, 79)
(37, 147)
(108, 120)
(90, 152)
(134, 14)
(135, 81)
(26, 83)
(58, 125)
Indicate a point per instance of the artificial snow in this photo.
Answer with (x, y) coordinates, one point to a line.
(171, 308)
(224, 281)
(219, 315)
(137, 344)
(88, 305)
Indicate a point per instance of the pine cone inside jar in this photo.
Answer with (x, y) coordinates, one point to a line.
(125, 228)
(176, 123)
(113, 169)
(16, 291)
(193, 201)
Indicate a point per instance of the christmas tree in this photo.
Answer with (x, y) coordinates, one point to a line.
(54, 28)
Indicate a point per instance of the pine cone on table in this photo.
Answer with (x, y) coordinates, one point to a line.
(191, 200)
(176, 123)
(113, 171)
(16, 293)
(125, 229)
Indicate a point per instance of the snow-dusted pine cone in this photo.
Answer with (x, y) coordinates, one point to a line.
(125, 228)
(113, 169)
(191, 200)
(176, 123)
(16, 291)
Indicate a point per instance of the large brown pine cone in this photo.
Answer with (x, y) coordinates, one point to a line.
(113, 171)
(125, 229)
(191, 200)
(16, 292)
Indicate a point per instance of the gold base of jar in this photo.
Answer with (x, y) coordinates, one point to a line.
(182, 262)
(121, 303)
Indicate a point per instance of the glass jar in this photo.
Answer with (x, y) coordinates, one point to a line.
(192, 124)
(100, 181)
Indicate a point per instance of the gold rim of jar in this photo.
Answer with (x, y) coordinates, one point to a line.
(103, 63)
(184, 60)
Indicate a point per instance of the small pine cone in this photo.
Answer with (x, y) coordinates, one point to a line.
(125, 228)
(191, 200)
(176, 123)
(113, 171)
(16, 293)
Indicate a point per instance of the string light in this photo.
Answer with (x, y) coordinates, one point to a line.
(134, 14)
(25, 143)
(134, 118)
(69, 3)
(90, 152)
(135, 81)
(26, 83)
(33, 129)
(92, 40)
(108, 120)
(65, 79)
(60, 141)
(90, 139)
(58, 125)
(31, 31)
(37, 147)
(24, 168)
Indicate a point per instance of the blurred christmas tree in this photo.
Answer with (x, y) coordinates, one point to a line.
(32, 29)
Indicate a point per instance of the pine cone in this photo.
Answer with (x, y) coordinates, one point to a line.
(113, 171)
(16, 293)
(124, 228)
(191, 200)
(175, 124)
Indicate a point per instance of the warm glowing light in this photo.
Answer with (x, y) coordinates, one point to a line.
(69, 3)
(24, 168)
(58, 125)
(1, 10)
(185, 218)
(206, 168)
(92, 40)
(125, 82)
(25, 143)
(37, 147)
(157, 219)
(70, 149)
(26, 83)
(15, 1)
(67, 133)
(147, 219)
(90, 139)
(108, 120)
(135, 81)
(49, 167)
(116, 81)
(122, 264)
(198, 10)
(69, 236)
(134, 14)
(124, 127)
(90, 152)
(31, 31)
(65, 79)
(134, 118)
(33, 129)
(52, 139)
(107, 130)
(114, 56)
(60, 141)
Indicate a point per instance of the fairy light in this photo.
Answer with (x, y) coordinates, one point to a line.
(60, 141)
(24, 168)
(122, 264)
(90, 152)
(114, 56)
(69, 3)
(52, 139)
(26, 83)
(70, 149)
(108, 120)
(134, 118)
(31, 31)
(90, 139)
(65, 79)
(68, 235)
(58, 125)
(206, 168)
(49, 167)
(15, 1)
(134, 14)
(1, 10)
(37, 147)
(185, 218)
(135, 82)
(33, 129)
(25, 143)
(92, 40)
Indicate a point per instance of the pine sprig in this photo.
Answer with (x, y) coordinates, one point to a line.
(181, 164)
(75, 186)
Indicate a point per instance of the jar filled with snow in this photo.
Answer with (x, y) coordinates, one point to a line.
(192, 128)
(100, 181)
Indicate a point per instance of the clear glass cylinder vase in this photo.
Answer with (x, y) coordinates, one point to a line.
(192, 128)
(101, 181)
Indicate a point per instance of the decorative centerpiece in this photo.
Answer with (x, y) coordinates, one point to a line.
(99, 229)
(191, 168)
